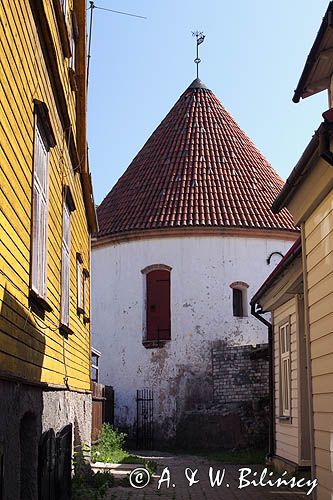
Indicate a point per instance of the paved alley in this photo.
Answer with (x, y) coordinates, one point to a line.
(176, 486)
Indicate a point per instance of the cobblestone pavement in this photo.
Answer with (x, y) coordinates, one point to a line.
(203, 489)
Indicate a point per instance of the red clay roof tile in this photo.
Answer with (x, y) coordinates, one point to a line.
(198, 168)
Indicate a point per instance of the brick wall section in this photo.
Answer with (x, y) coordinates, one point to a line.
(239, 375)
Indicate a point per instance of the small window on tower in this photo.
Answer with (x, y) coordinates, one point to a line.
(239, 299)
(237, 302)
(158, 310)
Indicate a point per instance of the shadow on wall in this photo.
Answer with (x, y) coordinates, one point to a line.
(22, 353)
(236, 411)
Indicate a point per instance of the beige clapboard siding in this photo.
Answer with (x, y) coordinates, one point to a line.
(30, 347)
(287, 432)
(319, 258)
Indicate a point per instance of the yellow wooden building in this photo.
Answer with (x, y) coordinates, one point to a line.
(47, 217)
(299, 293)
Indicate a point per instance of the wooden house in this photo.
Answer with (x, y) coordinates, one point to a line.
(300, 293)
(47, 217)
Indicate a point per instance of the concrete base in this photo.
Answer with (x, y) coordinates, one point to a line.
(27, 412)
(281, 464)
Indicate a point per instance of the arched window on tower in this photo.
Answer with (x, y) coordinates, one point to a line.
(157, 318)
(239, 299)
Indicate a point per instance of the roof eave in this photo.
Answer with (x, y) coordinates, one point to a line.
(295, 177)
(287, 260)
(320, 143)
(300, 91)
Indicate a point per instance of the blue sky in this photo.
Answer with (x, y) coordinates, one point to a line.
(252, 58)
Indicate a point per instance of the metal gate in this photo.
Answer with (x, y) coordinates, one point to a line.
(145, 419)
(64, 463)
(55, 464)
(46, 466)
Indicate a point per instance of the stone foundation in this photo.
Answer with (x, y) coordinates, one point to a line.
(27, 412)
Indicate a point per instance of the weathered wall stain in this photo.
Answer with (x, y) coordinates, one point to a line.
(180, 373)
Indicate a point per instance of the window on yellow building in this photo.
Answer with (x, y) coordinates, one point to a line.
(68, 207)
(40, 209)
(72, 41)
(85, 294)
(43, 141)
(285, 379)
(79, 284)
(65, 266)
(64, 6)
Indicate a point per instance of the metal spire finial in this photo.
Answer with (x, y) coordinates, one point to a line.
(200, 38)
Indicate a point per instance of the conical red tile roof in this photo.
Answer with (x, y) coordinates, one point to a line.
(197, 169)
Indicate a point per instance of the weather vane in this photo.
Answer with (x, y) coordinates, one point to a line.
(200, 38)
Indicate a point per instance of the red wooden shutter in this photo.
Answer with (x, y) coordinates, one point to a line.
(158, 305)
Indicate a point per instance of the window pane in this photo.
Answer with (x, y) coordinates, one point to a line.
(237, 302)
(94, 374)
(36, 240)
(43, 250)
(39, 221)
(65, 267)
(79, 284)
(85, 279)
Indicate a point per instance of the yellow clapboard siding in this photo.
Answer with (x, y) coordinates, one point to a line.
(321, 289)
(322, 384)
(325, 482)
(323, 403)
(22, 80)
(323, 458)
(324, 247)
(320, 308)
(319, 215)
(322, 365)
(23, 327)
(322, 327)
(287, 433)
(41, 354)
(321, 231)
(323, 345)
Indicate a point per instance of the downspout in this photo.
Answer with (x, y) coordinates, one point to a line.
(271, 435)
(308, 358)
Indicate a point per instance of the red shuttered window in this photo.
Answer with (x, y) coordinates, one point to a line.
(158, 306)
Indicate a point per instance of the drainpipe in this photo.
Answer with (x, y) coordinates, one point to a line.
(308, 356)
(271, 438)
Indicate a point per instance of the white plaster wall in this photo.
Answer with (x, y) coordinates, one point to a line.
(201, 316)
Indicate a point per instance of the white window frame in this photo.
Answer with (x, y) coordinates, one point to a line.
(72, 43)
(85, 285)
(79, 284)
(285, 369)
(65, 266)
(64, 6)
(40, 212)
(96, 353)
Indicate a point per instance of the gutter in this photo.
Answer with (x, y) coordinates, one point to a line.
(271, 434)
